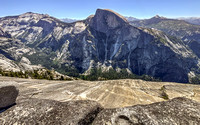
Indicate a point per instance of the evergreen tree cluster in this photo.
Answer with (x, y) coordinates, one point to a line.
(36, 74)
(195, 80)
(97, 74)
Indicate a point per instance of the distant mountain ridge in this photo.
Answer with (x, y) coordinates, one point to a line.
(192, 20)
(68, 20)
(105, 40)
(181, 29)
(130, 18)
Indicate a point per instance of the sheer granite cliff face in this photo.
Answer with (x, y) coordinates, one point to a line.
(104, 40)
(142, 51)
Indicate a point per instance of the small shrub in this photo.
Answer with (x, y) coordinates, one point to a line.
(163, 93)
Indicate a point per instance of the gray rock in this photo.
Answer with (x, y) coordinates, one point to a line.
(144, 51)
(105, 20)
(178, 111)
(3, 33)
(8, 94)
(49, 112)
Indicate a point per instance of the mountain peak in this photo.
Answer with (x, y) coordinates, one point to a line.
(32, 14)
(158, 17)
(105, 19)
(130, 18)
(29, 13)
(111, 11)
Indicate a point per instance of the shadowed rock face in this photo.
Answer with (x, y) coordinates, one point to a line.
(48, 112)
(176, 111)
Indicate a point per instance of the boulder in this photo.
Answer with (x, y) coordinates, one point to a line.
(8, 94)
(49, 112)
(178, 111)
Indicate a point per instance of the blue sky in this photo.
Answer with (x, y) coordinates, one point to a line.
(80, 9)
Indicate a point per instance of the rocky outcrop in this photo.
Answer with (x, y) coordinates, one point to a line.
(4, 34)
(37, 111)
(176, 111)
(8, 94)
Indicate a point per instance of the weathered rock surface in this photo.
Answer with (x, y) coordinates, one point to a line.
(8, 94)
(48, 112)
(3, 33)
(181, 111)
(110, 94)
(83, 112)
(69, 103)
